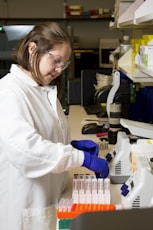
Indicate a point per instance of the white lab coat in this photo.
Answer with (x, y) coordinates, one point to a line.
(34, 153)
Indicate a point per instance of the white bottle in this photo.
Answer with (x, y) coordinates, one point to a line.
(125, 45)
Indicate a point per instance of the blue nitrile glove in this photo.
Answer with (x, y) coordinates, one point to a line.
(96, 164)
(86, 145)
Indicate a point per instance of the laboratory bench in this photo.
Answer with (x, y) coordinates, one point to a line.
(77, 118)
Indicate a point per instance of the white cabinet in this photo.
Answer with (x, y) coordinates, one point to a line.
(144, 14)
(128, 17)
(138, 15)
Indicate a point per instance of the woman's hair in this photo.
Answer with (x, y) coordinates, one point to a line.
(45, 35)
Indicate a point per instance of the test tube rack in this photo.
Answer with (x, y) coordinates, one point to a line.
(89, 194)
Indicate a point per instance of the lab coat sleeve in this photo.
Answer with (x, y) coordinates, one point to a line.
(25, 149)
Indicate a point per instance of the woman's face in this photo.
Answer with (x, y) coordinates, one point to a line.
(53, 62)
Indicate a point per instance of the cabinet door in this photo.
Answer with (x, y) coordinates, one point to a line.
(31, 9)
(2, 9)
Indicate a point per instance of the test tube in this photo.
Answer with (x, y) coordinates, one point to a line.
(75, 190)
(101, 199)
(94, 191)
(107, 191)
(88, 190)
(82, 189)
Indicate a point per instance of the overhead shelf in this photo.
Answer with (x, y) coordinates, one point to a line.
(147, 70)
(5, 55)
(144, 14)
(131, 71)
(139, 14)
(20, 21)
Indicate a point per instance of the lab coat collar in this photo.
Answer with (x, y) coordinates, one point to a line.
(15, 70)
(19, 73)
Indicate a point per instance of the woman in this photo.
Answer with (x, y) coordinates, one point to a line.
(34, 136)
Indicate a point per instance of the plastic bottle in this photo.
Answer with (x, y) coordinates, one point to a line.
(125, 45)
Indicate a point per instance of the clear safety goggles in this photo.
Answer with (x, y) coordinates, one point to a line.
(58, 61)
